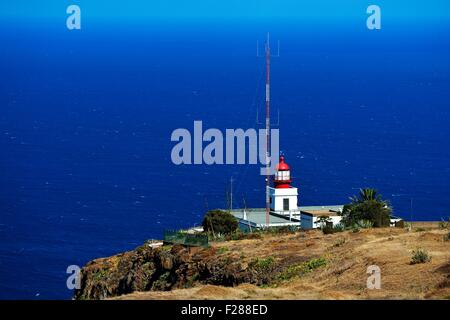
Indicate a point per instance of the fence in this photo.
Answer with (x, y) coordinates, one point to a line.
(187, 239)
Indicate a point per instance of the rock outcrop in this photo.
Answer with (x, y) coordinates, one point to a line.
(164, 268)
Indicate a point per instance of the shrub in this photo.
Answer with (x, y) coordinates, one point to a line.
(408, 226)
(166, 247)
(239, 235)
(219, 222)
(444, 224)
(191, 280)
(253, 235)
(262, 265)
(447, 237)
(364, 224)
(281, 230)
(328, 230)
(301, 269)
(420, 256)
(222, 250)
(333, 229)
(264, 269)
(400, 224)
(315, 263)
(218, 237)
(339, 242)
(101, 274)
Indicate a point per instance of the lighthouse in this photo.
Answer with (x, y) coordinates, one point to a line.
(281, 204)
(283, 196)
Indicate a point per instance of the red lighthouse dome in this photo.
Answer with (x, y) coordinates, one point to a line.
(282, 177)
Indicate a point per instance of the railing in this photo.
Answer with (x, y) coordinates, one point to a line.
(179, 237)
(292, 215)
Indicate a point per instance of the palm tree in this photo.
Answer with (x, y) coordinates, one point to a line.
(368, 206)
(366, 194)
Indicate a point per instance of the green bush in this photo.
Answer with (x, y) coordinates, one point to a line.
(364, 224)
(281, 230)
(315, 263)
(327, 229)
(262, 265)
(219, 222)
(222, 250)
(264, 268)
(239, 235)
(420, 256)
(217, 237)
(191, 280)
(301, 269)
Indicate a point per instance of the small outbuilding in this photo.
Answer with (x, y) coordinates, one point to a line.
(311, 219)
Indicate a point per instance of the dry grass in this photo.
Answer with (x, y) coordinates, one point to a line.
(344, 276)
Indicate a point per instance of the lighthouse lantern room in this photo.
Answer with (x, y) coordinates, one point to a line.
(283, 197)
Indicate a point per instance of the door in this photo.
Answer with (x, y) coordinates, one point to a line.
(286, 204)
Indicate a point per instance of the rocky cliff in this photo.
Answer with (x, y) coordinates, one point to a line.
(300, 265)
(166, 268)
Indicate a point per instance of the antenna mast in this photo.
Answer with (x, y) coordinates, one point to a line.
(231, 193)
(267, 129)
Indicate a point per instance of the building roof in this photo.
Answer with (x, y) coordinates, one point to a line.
(335, 208)
(319, 213)
(257, 216)
(282, 166)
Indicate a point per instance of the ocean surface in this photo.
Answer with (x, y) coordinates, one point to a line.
(86, 119)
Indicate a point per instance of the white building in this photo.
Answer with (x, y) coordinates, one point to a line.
(311, 219)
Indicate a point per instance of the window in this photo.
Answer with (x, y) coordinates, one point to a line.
(283, 175)
(286, 204)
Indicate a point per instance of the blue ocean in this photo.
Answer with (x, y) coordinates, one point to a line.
(87, 115)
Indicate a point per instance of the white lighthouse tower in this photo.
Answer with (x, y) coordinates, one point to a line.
(283, 197)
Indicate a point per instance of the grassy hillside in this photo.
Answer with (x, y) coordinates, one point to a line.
(311, 265)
